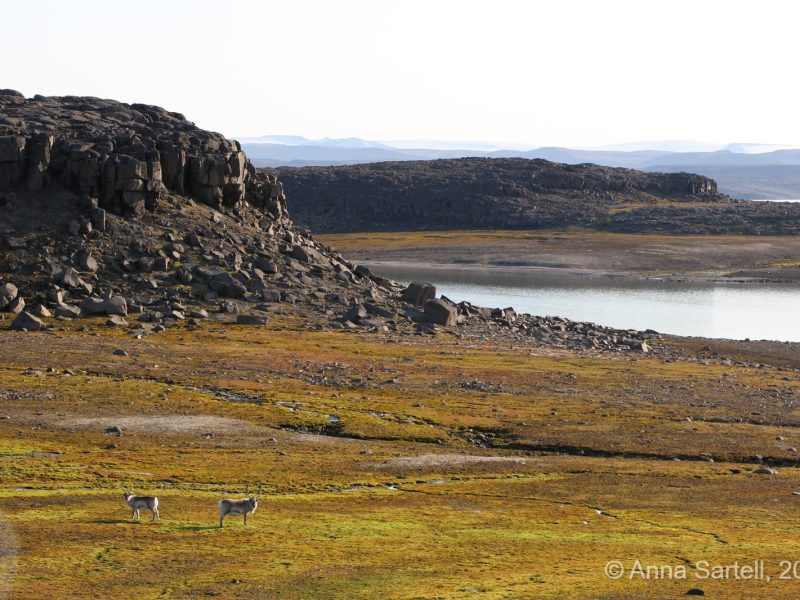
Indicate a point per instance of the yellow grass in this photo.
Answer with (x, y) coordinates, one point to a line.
(396, 500)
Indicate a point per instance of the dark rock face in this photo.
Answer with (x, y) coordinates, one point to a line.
(478, 193)
(124, 155)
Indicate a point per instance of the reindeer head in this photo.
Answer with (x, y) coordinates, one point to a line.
(253, 498)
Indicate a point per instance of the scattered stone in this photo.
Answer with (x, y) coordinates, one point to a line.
(765, 471)
(419, 293)
(25, 321)
(116, 321)
(120, 352)
(271, 295)
(17, 305)
(87, 262)
(8, 292)
(114, 429)
(355, 313)
(184, 275)
(440, 312)
(41, 311)
(379, 311)
(227, 286)
(250, 320)
(68, 277)
(67, 311)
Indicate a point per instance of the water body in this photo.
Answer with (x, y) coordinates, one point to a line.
(775, 199)
(719, 310)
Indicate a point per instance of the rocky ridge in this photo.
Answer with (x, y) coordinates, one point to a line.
(518, 193)
(134, 213)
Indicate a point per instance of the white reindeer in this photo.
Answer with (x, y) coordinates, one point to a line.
(137, 503)
(239, 507)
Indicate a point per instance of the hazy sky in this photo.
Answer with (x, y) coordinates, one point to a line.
(555, 72)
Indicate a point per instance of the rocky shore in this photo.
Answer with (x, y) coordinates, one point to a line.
(132, 212)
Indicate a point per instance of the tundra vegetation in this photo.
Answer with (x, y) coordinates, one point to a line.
(404, 467)
(183, 346)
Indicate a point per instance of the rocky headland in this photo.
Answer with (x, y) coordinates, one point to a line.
(133, 212)
(517, 193)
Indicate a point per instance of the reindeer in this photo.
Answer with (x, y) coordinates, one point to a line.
(239, 507)
(137, 503)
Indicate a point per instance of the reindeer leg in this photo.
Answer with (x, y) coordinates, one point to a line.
(245, 519)
(220, 520)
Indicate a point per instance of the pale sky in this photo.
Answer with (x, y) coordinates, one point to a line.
(557, 72)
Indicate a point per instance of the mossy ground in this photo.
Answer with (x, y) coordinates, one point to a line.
(374, 485)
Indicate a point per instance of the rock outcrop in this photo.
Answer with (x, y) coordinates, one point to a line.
(124, 155)
(478, 193)
(210, 241)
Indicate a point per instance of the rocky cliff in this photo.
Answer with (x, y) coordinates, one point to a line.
(477, 193)
(517, 193)
(132, 212)
(124, 155)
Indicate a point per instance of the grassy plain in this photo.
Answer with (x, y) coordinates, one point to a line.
(393, 466)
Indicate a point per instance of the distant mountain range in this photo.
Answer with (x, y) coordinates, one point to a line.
(742, 170)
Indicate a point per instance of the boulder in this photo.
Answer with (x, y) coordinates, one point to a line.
(116, 305)
(765, 471)
(440, 312)
(116, 321)
(303, 254)
(67, 311)
(355, 313)
(227, 285)
(271, 295)
(419, 293)
(250, 320)
(363, 271)
(266, 265)
(17, 305)
(92, 306)
(27, 322)
(8, 291)
(379, 311)
(68, 277)
(87, 262)
(183, 275)
(41, 311)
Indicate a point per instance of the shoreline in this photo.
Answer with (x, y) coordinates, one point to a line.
(375, 265)
(719, 259)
